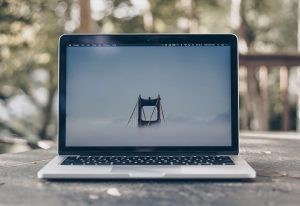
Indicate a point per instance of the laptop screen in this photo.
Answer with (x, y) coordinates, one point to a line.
(148, 96)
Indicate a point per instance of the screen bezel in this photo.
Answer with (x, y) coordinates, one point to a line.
(148, 39)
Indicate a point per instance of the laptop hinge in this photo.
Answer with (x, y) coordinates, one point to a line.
(146, 153)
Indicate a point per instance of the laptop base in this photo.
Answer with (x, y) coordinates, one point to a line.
(54, 170)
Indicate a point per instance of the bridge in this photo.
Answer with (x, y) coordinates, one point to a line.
(140, 119)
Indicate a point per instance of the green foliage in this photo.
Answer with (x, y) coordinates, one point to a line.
(274, 24)
(28, 39)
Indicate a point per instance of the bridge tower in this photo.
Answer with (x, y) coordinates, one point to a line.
(142, 120)
(152, 103)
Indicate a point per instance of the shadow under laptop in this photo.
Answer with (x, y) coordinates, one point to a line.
(160, 181)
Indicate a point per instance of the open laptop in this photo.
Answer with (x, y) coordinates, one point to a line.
(148, 106)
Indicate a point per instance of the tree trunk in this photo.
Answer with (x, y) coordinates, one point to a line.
(263, 81)
(47, 114)
(148, 20)
(47, 110)
(86, 22)
(256, 79)
(243, 90)
(298, 72)
(257, 103)
(192, 16)
(284, 83)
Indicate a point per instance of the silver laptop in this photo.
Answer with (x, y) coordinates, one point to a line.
(148, 106)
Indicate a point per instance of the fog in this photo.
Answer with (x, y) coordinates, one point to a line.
(176, 133)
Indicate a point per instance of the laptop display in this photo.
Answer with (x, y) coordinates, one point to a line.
(159, 95)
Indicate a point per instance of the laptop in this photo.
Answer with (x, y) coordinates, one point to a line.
(145, 106)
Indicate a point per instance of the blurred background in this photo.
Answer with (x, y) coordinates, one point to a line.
(269, 44)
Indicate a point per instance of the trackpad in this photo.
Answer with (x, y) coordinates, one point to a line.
(146, 174)
(145, 171)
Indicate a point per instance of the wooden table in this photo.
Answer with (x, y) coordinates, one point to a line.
(276, 160)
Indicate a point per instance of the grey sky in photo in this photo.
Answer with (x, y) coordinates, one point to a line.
(106, 81)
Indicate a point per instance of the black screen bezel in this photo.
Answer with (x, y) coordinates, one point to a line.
(150, 39)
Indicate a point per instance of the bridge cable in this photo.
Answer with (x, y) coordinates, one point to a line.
(144, 114)
(132, 113)
(153, 112)
(162, 112)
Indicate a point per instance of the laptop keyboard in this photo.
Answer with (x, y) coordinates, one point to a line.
(148, 160)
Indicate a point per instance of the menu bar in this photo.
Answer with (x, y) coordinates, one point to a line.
(163, 45)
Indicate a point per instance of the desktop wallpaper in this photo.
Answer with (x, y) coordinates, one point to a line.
(148, 96)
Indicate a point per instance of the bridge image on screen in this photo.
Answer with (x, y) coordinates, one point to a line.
(142, 120)
(180, 99)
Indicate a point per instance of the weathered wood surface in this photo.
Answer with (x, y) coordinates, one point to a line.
(276, 160)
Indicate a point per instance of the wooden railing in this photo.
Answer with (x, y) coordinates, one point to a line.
(271, 61)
